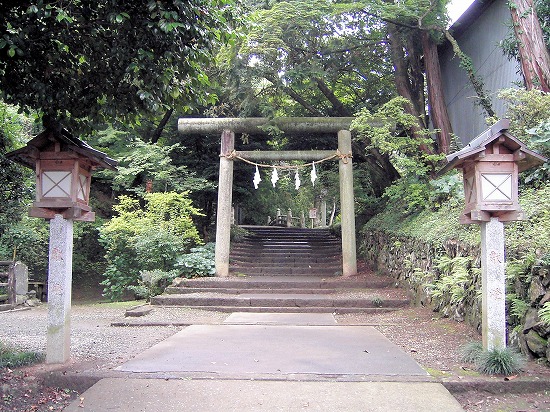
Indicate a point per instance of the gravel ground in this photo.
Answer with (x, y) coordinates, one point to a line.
(92, 336)
(432, 341)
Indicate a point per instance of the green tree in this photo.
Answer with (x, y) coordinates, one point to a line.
(308, 58)
(90, 60)
(146, 166)
(15, 192)
(299, 58)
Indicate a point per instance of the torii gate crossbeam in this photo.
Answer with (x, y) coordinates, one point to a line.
(229, 126)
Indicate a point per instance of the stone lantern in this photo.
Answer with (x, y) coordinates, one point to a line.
(490, 166)
(63, 166)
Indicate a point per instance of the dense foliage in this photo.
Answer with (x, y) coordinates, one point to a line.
(199, 262)
(93, 60)
(16, 180)
(145, 239)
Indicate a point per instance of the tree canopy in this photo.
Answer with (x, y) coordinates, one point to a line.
(308, 58)
(91, 60)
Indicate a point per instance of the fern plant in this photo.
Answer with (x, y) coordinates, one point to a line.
(544, 313)
(518, 307)
(521, 268)
(455, 279)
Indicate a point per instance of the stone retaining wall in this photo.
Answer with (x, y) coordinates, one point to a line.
(412, 262)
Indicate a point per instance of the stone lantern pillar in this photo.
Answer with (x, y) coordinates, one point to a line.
(63, 166)
(490, 165)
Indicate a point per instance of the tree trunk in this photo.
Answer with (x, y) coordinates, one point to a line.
(399, 61)
(296, 96)
(403, 81)
(436, 98)
(381, 171)
(416, 77)
(337, 105)
(534, 56)
(158, 131)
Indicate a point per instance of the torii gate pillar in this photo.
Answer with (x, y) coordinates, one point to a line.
(225, 197)
(347, 203)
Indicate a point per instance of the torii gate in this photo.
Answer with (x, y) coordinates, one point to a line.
(229, 126)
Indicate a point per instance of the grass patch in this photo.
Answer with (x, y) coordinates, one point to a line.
(493, 362)
(436, 373)
(500, 362)
(471, 352)
(125, 304)
(11, 357)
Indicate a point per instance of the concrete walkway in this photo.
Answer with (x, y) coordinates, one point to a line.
(270, 362)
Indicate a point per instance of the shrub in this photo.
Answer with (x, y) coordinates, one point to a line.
(238, 233)
(28, 238)
(199, 263)
(152, 283)
(412, 190)
(146, 239)
(11, 357)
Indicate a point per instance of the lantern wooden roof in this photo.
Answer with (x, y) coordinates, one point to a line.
(524, 157)
(47, 140)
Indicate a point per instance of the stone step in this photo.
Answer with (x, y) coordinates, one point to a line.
(276, 267)
(281, 300)
(289, 252)
(172, 290)
(284, 271)
(286, 250)
(288, 259)
(283, 244)
(279, 229)
(290, 237)
(278, 282)
(269, 309)
(286, 245)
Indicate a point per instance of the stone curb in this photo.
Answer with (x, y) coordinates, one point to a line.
(81, 381)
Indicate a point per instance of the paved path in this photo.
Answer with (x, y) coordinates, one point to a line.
(270, 362)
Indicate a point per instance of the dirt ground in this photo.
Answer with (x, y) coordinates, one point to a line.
(434, 342)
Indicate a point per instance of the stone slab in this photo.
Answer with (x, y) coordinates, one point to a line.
(153, 395)
(246, 350)
(316, 319)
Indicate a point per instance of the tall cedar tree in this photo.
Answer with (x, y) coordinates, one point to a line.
(533, 53)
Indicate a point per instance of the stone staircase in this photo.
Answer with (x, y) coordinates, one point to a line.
(286, 270)
(277, 251)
